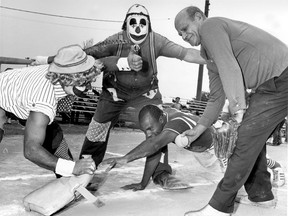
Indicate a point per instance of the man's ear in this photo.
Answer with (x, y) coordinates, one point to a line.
(198, 16)
(161, 118)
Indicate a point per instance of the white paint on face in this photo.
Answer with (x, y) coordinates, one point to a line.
(137, 28)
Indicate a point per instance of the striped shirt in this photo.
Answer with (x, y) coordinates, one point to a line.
(26, 89)
(178, 122)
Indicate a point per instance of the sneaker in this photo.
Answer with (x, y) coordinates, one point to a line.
(278, 177)
(266, 204)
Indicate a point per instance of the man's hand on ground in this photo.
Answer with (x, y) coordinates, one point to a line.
(134, 187)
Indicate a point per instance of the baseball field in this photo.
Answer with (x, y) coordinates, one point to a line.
(18, 177)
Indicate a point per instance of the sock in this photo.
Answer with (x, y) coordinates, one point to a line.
(272, 164)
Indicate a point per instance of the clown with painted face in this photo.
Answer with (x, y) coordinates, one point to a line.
(137, 23)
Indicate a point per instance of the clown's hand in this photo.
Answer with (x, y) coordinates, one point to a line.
(135, 61)
(39, 60)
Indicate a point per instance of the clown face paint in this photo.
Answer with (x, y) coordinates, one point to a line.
(137, 28)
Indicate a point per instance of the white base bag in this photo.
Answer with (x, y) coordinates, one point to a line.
(53, 196)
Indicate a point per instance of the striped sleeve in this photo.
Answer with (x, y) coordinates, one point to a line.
(180, 124)
(44, 108)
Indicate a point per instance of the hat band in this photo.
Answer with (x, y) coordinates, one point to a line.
(141, 14)
(72, 64)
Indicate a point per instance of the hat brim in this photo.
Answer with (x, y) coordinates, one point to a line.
(86, 65)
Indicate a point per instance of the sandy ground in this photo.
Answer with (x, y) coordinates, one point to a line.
(18, 177)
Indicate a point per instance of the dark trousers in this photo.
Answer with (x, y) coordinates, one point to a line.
(109, 110)
(277, 134)
(55, 144)
(54, 140)
(247, 166)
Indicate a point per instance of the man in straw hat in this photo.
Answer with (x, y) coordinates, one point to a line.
(32, 94)
(130, 77)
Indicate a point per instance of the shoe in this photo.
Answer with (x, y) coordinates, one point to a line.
(278, 177)
(207, 211)
(266, 204)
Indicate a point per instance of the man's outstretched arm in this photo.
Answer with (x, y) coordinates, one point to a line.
(150, 146)
(145, 148)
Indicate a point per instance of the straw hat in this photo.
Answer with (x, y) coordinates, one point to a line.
(71, 59)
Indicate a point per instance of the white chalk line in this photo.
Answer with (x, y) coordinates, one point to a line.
(119, 170)
(115, 154)
(140, 194)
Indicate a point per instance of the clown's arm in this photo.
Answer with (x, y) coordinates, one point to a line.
(112, 63)
(172, 50)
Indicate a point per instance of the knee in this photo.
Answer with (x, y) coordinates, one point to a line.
(97, 132)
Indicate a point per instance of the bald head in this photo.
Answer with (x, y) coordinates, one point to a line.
(180, 15)
(187, 23)
(189, 13)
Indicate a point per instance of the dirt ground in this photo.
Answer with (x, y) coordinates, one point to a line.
(18, 177)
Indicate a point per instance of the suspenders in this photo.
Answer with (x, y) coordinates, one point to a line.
(152, 53)
(120, 46)
(153, 57)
